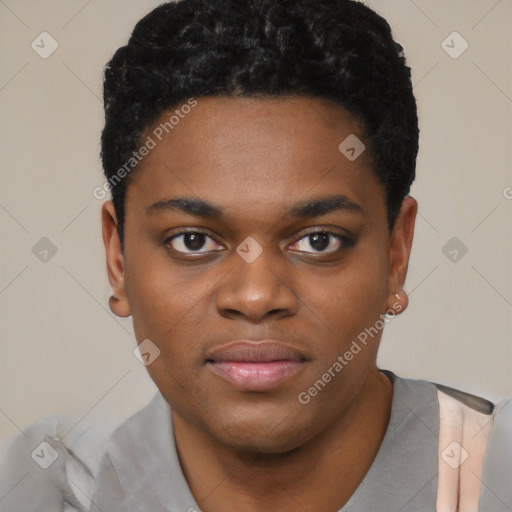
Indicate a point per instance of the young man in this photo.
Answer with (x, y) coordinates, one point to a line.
(260, 156)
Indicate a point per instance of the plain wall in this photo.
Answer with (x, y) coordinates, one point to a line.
(64, 353)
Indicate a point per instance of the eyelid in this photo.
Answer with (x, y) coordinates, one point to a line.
(184, 231)
(323, 229)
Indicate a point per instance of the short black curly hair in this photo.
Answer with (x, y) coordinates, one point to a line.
(339, 50)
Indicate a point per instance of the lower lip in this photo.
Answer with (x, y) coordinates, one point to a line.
(258, 376)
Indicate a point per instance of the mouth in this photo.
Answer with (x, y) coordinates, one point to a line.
(256, 366)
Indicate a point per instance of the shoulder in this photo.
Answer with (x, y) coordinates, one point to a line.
(415, 389)
(51, 466)
(474, 429)
(34, 469)
(48, 467)
(459, 409)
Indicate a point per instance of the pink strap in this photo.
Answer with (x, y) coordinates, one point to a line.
(463, 436)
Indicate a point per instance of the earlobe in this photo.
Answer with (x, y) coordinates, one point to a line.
(118, 307)
(397, 302)
(118, 302)
(400, 251)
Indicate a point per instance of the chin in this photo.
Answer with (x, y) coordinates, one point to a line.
(261, 436)
(262, 446)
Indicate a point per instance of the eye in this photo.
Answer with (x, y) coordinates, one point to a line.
(190, 242)
(318, 241)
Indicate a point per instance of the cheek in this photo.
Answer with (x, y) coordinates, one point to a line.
(168, 305)
(168, 308)
(351, 299)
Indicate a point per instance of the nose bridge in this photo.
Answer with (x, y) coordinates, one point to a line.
(257, 284)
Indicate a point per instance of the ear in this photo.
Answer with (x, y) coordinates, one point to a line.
(118, 302)
(400, 250)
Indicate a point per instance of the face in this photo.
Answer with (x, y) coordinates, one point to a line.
(246, 222)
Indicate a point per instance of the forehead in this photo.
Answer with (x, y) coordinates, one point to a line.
(264, 152)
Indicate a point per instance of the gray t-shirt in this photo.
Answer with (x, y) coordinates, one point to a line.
(140, 469)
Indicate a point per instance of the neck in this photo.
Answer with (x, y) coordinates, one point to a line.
(319, 475)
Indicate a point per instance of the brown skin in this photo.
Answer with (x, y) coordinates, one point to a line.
(256, 158)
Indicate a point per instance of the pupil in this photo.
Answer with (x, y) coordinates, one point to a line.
(194, 241)
(319, 241)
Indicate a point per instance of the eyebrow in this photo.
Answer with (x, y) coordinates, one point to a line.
(305, 209)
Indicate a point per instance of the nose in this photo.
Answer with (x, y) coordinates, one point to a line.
(257, 290)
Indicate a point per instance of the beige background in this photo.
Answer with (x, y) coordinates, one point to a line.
(63, 352)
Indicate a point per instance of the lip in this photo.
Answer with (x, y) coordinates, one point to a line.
(256, 365)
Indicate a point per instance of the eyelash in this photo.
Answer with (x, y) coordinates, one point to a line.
(346, 242)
